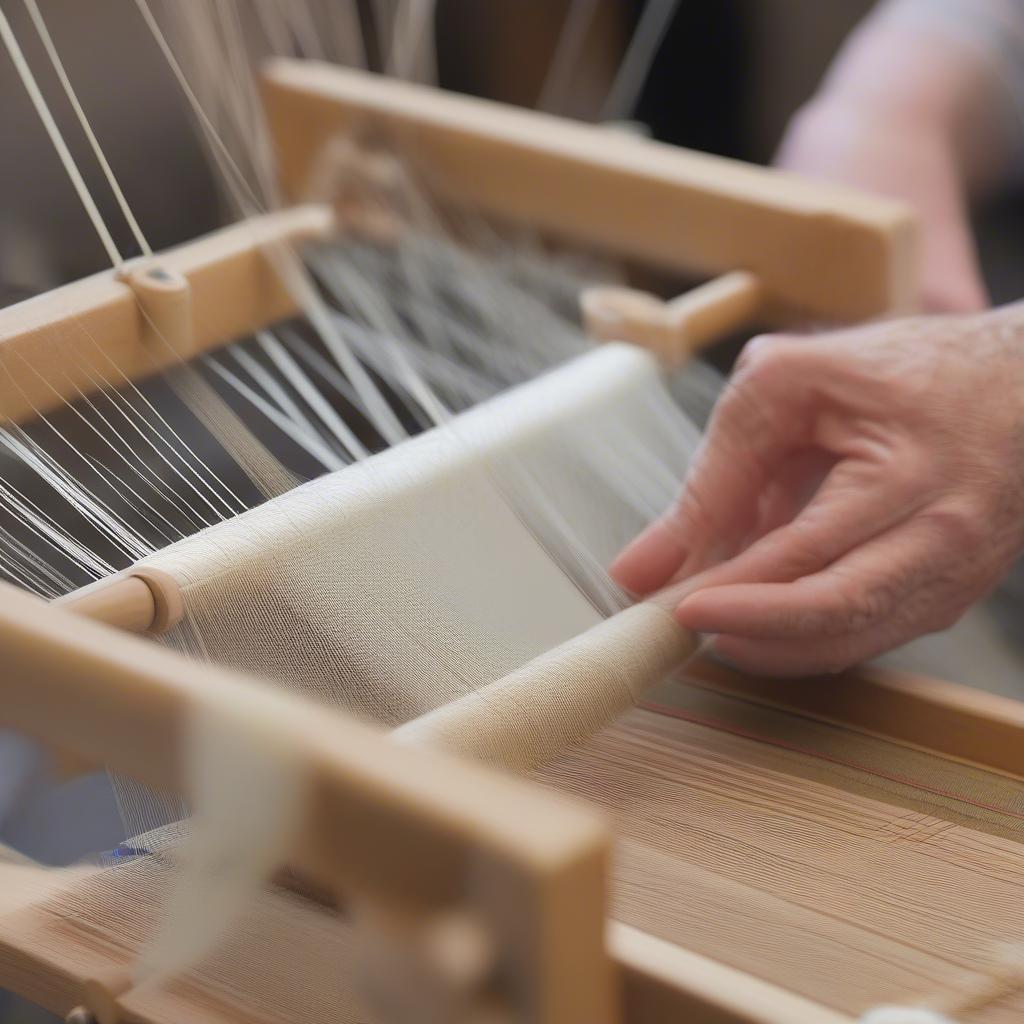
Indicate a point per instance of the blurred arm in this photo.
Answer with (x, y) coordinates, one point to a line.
(925, 102)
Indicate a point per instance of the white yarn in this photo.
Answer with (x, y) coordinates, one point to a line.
(904, 1015)
(247, 788)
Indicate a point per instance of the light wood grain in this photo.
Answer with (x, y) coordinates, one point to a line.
(109, 328)
(821, 251)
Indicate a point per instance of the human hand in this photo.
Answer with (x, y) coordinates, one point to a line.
(854, 490)
(906, 155)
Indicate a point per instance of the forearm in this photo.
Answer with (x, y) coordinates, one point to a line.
(954, 65)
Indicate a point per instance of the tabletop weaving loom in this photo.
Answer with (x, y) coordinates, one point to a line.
(783, 851)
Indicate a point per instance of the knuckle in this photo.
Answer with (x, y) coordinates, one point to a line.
(959, 527)
(761, 357)
(861, 605)
(944, 619)
(796, 623)
(693, 510)
(908, 475)
(809, 546)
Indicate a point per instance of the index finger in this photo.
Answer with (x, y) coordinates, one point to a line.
(761, 418)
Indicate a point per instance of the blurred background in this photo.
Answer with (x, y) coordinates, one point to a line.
(726, 79)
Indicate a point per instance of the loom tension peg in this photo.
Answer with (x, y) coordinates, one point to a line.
(673, 331)
(165, 301)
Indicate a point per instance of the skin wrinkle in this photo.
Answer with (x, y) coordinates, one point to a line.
(917, 503)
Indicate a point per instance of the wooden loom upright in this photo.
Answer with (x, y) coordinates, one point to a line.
(527, 869)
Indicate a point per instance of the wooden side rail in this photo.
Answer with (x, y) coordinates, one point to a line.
(664, 983)
(820, 251)
(156, 312)
(395, 828)
(935, 715)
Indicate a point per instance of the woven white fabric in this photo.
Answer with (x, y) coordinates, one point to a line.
(398, 584)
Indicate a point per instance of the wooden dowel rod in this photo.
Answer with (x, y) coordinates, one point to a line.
(142, 600)
(126, 603)
(714, 309)
(673, 331)
(561, 697)
(151, 314)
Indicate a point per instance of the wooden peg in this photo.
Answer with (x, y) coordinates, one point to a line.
(673, 331)
(142, 600)
(364, 188)
(165, 300)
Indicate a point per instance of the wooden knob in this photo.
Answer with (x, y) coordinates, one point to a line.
(165, 300)
(674, 330)
(612, 313)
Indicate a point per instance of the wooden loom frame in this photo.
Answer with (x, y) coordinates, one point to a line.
(805, 249)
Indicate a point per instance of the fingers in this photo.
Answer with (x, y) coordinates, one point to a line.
(858, 501)
(896, 586)
(762, 418)
(649, 561)
(930, 608)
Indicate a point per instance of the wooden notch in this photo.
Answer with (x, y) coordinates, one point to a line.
(149, 315)
(675, 330)
(101, 995)
(142, 600)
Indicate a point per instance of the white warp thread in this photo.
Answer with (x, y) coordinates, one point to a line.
(441, 565)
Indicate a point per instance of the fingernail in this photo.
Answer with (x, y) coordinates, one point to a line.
(688, 613)
(650, 560)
